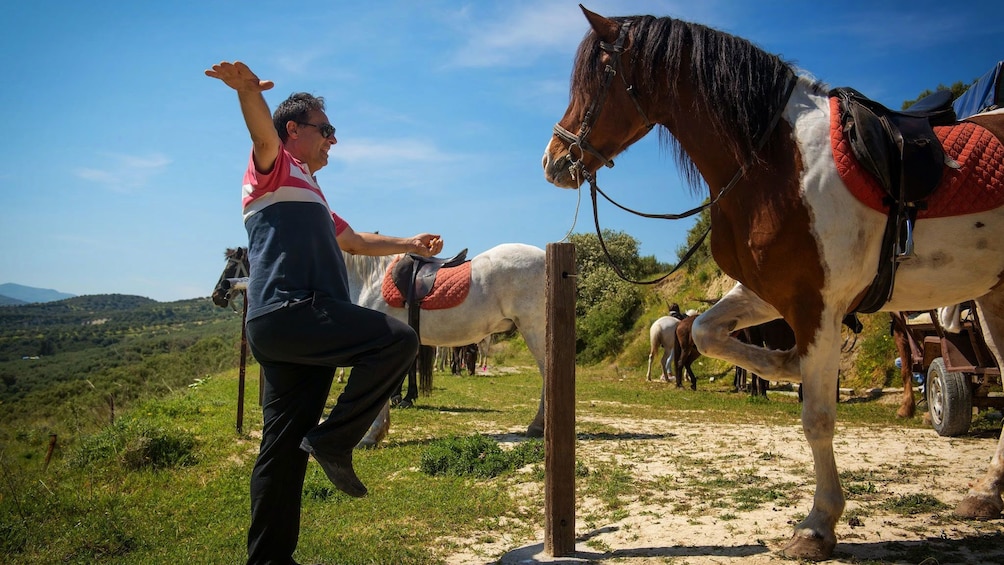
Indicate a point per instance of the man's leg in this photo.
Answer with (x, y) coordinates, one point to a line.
(293, 400)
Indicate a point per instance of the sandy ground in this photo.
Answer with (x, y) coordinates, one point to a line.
(688, 481)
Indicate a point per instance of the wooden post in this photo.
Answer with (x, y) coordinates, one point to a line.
(244, 356)
(48, 453)
(559, 402)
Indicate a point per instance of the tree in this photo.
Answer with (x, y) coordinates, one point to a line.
(606, 305)
(957, 89)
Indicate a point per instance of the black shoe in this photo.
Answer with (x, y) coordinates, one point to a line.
(338, 468)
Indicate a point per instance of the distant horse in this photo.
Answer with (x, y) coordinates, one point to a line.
(775, 334)
(685, 352)
(662, 334)
(796, 218)
(464, 356)
(506, 292)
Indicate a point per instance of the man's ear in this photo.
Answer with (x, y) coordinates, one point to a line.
(290, 128)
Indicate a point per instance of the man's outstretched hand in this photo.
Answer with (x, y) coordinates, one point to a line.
(239, 77)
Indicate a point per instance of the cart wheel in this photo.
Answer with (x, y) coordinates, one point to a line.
(950, 400)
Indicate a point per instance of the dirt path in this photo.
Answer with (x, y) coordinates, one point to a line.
(715, 494)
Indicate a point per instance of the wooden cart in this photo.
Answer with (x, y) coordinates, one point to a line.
(960, 372)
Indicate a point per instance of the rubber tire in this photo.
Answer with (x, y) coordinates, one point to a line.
(950, 400)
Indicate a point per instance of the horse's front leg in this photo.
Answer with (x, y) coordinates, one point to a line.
(815, 536)
(741, 308)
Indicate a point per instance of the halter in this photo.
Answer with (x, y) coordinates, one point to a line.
(578, 169)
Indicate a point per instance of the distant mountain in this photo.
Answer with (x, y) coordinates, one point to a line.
(30, 294)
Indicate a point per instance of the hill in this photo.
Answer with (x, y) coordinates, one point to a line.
(30, 294)
(81, 352)
(8, 301)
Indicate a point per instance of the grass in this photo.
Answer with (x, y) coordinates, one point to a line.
(168, 481)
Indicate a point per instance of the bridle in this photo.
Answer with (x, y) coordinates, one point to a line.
(616, 50)
(578, 169)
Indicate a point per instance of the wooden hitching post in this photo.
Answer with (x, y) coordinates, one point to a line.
(559, 402)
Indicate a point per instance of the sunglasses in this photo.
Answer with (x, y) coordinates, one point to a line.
(327, 130)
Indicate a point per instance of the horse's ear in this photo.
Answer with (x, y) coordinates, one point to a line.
(606, 29)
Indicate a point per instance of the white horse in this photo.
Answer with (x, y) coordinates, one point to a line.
(507, 292)
(662, 334)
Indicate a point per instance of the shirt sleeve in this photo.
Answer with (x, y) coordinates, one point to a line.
(340, 224)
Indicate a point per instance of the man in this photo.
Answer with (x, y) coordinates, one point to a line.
(301, 324)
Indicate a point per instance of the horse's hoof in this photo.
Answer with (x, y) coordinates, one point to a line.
(395, 400)
(811, 547)
(405, 403)
(535, 431)
(979, 508)
(904, 413)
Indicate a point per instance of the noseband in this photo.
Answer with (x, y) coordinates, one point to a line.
(579, 142)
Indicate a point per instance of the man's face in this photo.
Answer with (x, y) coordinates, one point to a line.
(310, 146)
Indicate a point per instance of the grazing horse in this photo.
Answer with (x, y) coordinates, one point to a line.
(506, 292)
(795, 218)
(662, 334)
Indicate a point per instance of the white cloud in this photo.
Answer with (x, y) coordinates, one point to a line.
(522, 35)
(125, 173)
(390, 151)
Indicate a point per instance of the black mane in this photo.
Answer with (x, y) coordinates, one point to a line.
(737, 85)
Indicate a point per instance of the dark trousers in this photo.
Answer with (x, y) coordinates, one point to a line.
(299, 347)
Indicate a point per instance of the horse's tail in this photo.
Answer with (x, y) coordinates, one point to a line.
(426, 361)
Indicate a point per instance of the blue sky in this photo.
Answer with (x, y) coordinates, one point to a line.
(122, 163)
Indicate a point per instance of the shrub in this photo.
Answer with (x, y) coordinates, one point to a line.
(477, 456)
(137, 445)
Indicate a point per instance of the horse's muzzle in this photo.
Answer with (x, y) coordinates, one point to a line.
(557, 171)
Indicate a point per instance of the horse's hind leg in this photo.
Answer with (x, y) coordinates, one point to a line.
(983, 501)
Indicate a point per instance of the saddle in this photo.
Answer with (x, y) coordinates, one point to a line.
(414, 276)
(901, 150)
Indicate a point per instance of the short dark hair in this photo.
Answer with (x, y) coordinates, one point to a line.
(296, 108)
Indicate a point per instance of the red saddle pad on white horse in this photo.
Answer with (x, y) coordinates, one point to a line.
(450, 289)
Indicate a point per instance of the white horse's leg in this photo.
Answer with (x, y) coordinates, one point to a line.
(378, 429)
(534, 338)
(741, 308)
(983, 501)
(815, 536)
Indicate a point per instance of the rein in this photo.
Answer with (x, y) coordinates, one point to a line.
(578, 169)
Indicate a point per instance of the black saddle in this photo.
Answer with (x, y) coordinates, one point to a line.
(415, 275)
(902, 152)
(899, 148)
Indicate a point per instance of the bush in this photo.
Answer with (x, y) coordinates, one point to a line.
(137, 445)
(477, 456)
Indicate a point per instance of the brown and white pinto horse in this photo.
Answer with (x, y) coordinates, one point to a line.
(801, 245)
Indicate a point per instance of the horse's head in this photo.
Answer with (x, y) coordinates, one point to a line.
(605, 114)
(237, 266)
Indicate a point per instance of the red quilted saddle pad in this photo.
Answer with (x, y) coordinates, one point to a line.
(977, 186)
(451, 288)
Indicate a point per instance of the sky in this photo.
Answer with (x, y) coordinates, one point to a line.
(121, 170)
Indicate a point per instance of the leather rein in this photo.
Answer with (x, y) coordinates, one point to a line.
(579, 171)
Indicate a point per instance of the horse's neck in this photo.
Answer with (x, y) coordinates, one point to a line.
(365, 272)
